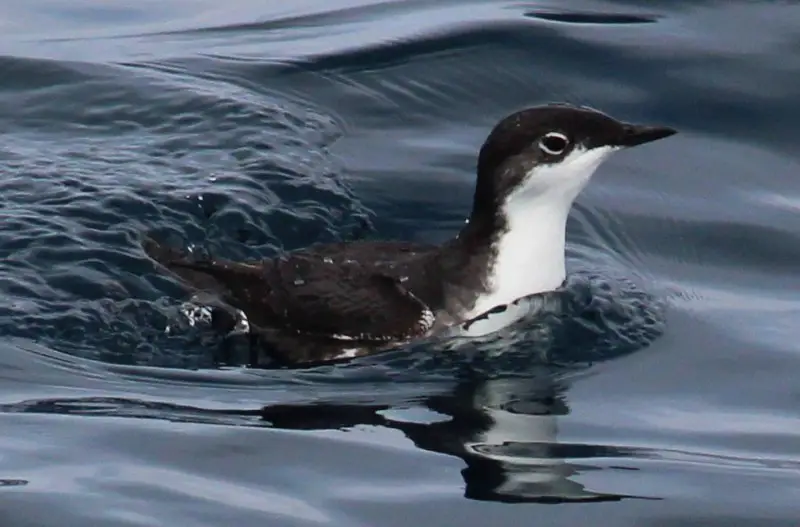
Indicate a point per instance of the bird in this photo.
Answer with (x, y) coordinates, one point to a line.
(329, 302)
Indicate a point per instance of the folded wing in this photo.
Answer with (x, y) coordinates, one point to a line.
(306, 294)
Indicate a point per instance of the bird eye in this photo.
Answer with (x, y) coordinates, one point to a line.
(554, 143)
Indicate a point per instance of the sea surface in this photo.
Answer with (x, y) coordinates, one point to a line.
(667, 395)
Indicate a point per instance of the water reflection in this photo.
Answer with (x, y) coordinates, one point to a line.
(503, 421)
(505, 430)
(498, 412)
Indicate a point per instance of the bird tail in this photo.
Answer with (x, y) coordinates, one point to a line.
(163, 254)
(194, 274)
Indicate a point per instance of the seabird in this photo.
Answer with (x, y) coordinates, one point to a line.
(340, 300)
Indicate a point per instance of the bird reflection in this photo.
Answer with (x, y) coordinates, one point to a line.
(505, 430)
(505, 427)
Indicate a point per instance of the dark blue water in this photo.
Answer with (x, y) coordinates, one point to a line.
(250, 127)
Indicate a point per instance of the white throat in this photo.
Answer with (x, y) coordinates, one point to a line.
(530, 254)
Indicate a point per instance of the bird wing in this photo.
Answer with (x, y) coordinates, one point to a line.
(305, 294)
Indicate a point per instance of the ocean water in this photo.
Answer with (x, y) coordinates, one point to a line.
(667, 397)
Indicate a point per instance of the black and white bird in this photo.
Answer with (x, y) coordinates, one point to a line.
(340, 300)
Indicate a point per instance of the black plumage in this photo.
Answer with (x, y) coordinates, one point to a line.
(314, 304)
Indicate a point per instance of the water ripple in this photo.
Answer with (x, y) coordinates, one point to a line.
(577, 17)
(244, 129)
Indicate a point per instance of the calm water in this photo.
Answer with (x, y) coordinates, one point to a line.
(669, 399)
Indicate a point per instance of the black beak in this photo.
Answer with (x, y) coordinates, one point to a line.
(634, 134)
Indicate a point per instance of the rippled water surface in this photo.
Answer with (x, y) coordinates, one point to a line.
(669, 399)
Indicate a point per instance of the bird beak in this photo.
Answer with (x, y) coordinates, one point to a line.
(634, 134)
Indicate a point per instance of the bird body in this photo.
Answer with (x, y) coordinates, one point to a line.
(332, 301)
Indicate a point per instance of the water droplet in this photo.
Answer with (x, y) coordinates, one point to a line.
(328, 259)
(299, 281)
(403, 279)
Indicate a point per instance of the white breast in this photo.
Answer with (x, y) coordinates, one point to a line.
(530, 255)
(530, 260)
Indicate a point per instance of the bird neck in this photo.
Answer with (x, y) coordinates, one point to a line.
(523, 248)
